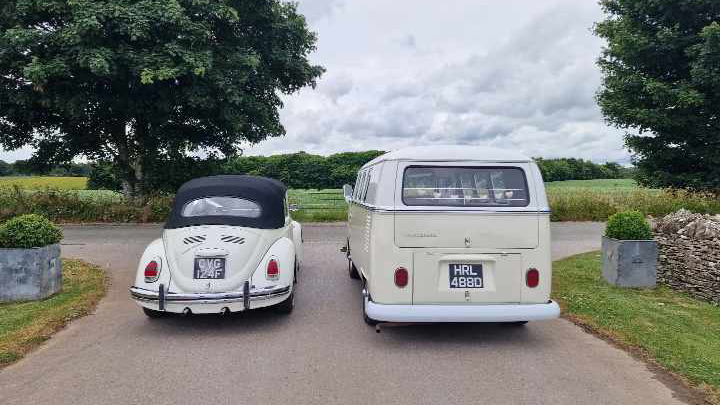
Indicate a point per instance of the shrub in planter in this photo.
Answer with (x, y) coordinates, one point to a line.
(630, 225)
(29, 231)
(629, 253)
(30, 265)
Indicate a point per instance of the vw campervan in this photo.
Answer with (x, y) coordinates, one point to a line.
(451, 234)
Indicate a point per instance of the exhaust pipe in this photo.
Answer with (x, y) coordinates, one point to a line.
(187, 311)
(225, 311)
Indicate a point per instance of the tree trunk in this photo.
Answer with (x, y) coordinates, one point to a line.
(119, 134)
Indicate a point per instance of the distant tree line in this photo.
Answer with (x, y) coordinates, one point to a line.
(307, 171)
(25, 168)
(297, 170)
(562, 169)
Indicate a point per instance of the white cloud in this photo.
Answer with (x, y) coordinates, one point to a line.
(515, 74)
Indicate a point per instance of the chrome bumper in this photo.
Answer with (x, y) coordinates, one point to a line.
(255, 294)
(462, 313)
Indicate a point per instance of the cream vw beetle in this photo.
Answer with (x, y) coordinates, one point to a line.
(228, 245)
(451, 234)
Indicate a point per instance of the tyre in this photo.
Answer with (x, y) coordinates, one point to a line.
(297, 271)
(366, 318)
(286, 306)
(353, 271)
(151, 313)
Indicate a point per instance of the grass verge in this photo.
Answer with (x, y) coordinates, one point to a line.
(25, 325)
(668, 328)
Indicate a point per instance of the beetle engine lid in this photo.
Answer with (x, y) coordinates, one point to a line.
(267, 194)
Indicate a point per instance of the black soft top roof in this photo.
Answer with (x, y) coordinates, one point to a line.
(269, 194)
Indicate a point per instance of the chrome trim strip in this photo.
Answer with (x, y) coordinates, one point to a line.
(256, 294)
(445, 210)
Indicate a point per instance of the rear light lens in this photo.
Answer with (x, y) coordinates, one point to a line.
(273, 270)
(152, 271)
(401, 277)
(532, 278)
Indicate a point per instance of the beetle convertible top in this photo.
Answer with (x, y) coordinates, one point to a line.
(267, 194)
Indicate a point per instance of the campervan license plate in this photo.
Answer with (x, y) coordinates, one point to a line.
(209, 268)
(466, 275)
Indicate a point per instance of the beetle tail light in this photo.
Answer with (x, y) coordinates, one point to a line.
(273, 270)
(532, 278)
(152, 271)
(401, 277)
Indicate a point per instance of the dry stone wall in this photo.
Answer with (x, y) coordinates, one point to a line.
(689, 253)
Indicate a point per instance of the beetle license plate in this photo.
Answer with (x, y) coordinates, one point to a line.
(209, 268)
(466, 275)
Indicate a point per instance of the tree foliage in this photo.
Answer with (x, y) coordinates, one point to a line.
(143, 82)
(297, 170)
(562, 169)
(661, 82)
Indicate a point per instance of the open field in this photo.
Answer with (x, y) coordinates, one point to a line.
(26, 325)
(575, 200)
(41, 182)
(678, 332)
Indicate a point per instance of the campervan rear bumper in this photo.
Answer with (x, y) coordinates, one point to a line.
(462, 313)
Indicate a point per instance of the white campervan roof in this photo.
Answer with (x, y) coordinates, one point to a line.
(446, 153)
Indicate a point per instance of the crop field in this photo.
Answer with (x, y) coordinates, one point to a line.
(64, 199)
(42, 182)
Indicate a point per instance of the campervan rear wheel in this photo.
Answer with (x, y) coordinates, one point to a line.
(352, 270)
(366, 318)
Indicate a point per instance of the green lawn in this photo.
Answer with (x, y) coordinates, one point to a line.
(681, 333)
(23, 326)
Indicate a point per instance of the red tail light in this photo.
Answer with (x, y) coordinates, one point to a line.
(401, 277)
(532, 278)
(273, 270)
(152, 272)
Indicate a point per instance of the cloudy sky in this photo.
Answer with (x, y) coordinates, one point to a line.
(516, 74)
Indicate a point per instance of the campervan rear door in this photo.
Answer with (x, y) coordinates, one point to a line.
(469, 226)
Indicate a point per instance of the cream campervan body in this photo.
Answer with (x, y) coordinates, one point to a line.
(451, 234)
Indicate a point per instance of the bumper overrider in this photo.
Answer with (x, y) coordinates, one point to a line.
(210, 302)
(462, 313)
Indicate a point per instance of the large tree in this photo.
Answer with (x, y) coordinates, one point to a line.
(141, 81)
(661, 69)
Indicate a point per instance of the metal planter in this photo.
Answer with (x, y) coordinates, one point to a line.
(630, 263)
(30, 274)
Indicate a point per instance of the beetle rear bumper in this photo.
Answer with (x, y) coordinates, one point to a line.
(211, 302)
(462, 313)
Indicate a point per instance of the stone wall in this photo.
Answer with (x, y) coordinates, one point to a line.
(689, 253)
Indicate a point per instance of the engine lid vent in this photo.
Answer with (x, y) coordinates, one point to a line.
(194, 239)
(232, 239)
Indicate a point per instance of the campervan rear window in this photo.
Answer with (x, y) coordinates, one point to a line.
(465, 186)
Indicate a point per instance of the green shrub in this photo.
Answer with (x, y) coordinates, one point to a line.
(29, 231)
(629, 225)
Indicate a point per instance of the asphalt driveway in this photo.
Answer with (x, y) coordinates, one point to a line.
(322, 353)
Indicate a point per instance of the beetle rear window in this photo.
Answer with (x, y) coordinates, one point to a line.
(465, 186)
(221, 206)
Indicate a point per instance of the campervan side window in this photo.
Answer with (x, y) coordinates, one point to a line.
(358, 186)
(465, 186)
(368, 176)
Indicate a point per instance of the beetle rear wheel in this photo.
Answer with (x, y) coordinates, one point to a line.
(286, 306)
(151, 313)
